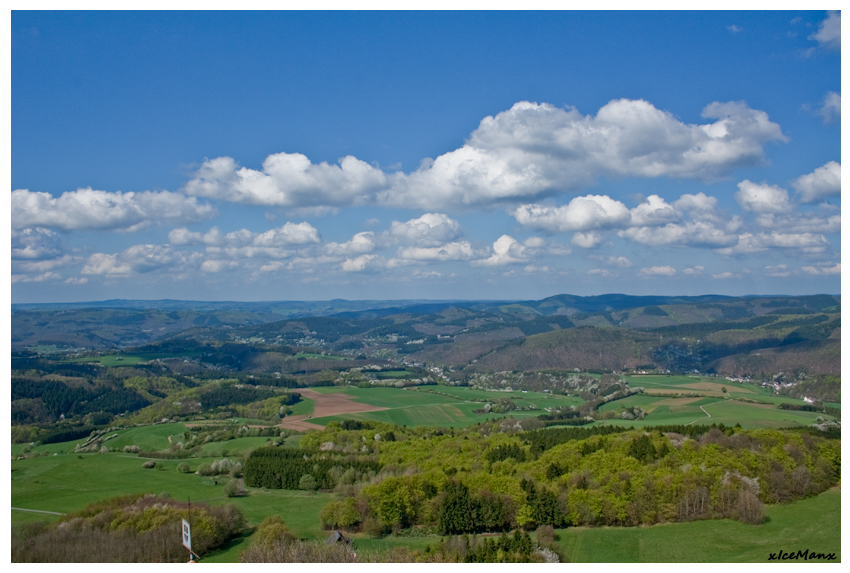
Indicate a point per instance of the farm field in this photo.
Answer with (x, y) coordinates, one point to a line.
(663, 410)
(112, 360)
(806, 524)
(539, 399)
(308, 355)
(707, 386)
(418, 407)
(132, 359)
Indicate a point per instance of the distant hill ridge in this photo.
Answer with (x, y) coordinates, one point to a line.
(557, 304)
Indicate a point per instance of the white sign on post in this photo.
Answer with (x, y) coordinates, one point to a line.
(187, 535)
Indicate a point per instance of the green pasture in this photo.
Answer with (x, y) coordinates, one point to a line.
(234, 447)
(67, 483)
(452, 415)
(309, 355)
(730, 412)
(679, 384)
(20, 517)
(304, 406)
(396, 397)
(399, 398)
(407, 407)
(60, 448)
(723, 411)
(406, 373)
(812, 524)
(538, 399)
(149, 438)
(113, 360)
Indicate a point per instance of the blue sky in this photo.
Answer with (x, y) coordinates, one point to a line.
(306, 156)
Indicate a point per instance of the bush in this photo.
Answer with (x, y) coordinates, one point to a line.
(232, 489)
(340, 513)
(132, 449)
(750, 509)
(546, 536)
(307, 482)
(183, 468)
(271, 530)
(299, 552)
(140, 529)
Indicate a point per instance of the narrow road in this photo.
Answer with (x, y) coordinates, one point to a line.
(704, 410)
(38, 511)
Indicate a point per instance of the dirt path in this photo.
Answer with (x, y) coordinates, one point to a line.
(332, 404)
(706, 411)
(37, 511)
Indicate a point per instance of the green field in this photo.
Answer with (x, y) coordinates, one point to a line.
(237, 446)
(304, 406)
(662, 410)
(67, 483)
(537, 399)
(131, 359)
(811, 524)
(113, 360)
(309, 355)
(418, 407)
(393, 374)
(149, 438)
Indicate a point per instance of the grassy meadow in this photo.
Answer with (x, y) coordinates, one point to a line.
(441, 406)
(806, 524)
(66, 483)
(662, 410)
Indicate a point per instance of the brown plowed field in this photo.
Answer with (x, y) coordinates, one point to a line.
(325, 405)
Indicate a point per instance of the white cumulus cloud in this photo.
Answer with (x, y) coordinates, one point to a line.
(825, 181)
(91, 209)
(359, 264)
(140, 259)
(805, 243)
(829, 31)
(653, 211)
(429, 230)
(534, 149)
(589, 240)
(274, 243)
(825, 269)
(455, 251)
(506, 250)
(762, 198)
(830, 109)
(35, 244)
(361, 243)
(288, 179)
(663, 271)
(580, 214)
(529, 151)
(690, 234)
